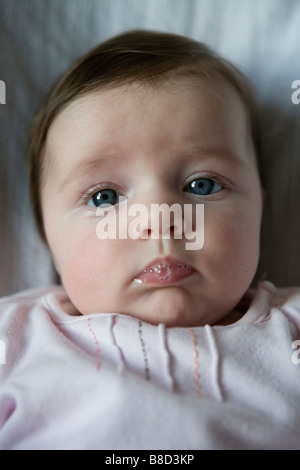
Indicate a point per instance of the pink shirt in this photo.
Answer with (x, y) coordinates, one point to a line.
(110, 381)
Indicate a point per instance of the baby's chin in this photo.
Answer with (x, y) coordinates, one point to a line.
(173, 307)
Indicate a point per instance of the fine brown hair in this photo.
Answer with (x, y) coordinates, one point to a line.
(135, 56)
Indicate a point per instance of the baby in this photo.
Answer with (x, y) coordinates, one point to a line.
(156, 120)
(149, 120)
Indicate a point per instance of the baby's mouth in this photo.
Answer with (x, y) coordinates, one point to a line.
(164, 271)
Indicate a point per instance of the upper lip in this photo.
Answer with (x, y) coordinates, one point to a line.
(162, 262)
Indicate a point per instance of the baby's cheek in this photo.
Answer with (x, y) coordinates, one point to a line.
(232, 245)
(83, 273)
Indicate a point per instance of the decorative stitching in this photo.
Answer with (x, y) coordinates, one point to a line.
(140, 331)
(196, 364)
(98, 356)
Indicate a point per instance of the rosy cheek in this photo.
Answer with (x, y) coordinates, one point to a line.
(231, 246)
(78, 260)
(86, 269)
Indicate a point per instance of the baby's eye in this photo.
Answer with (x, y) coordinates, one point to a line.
(104, 196)
(203, 187)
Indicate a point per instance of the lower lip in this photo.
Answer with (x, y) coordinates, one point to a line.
(164, 275)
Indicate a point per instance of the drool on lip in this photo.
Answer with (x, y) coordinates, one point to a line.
(164, 272)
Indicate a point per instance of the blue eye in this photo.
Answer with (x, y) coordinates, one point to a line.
(203, 187)
(105, 196)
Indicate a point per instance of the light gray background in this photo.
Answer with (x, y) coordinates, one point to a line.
(39, 39)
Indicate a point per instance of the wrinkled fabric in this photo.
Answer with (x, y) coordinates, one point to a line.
(110, 381)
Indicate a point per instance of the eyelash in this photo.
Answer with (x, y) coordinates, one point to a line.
(224, 182)
(87, 195)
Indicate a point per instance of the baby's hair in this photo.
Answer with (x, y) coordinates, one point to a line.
(136, 56)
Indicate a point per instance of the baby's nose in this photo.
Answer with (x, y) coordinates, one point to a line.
(162, 221)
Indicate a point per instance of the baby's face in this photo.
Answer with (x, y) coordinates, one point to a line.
(182, 144)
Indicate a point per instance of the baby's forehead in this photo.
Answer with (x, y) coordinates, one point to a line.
(101, 120)
(137, 92)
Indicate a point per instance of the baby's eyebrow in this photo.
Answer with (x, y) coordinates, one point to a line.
(87, 167)
(216, 153)
(91, 165)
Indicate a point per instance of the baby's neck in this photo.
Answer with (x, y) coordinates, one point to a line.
(239, 311)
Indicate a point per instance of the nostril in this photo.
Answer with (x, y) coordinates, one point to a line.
(146, 234)
(7, 407)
